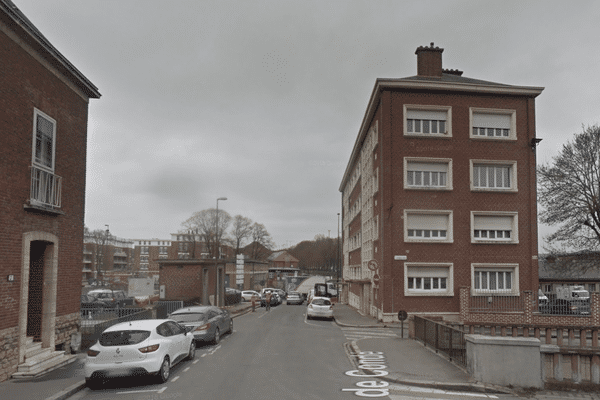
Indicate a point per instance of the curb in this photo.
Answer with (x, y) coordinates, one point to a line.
(68, 392)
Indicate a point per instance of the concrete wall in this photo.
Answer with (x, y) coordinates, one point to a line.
(504, 361)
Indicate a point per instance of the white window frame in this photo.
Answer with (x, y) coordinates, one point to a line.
(38, 113)
(414, 266)
(502, 163)
(417, 107)
(488, 267)
(514, 235)
(512, 135)
(431, 239)
(425, 160)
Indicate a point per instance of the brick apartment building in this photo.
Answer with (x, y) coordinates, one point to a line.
(43, 125)
(107, 258)
(440, 193)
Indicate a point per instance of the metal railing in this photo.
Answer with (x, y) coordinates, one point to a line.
(94, 316)
(443, 338)
(497, 303)
(45, 188)
(90, 333)
(164, 308)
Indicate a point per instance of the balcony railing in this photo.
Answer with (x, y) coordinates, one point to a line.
(45, 188)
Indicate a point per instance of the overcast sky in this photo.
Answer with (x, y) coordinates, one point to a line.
(261, 101)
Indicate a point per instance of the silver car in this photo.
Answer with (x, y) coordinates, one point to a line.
(294, 298)
(207, 323)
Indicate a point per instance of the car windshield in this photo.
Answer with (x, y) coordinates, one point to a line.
(189, 317)
(123, 338)
(321, 302)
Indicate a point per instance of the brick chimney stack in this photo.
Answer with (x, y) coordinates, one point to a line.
(429, 61)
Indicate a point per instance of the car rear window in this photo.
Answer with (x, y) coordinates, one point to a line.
(123, 338)
(321, 302)
(190, 317)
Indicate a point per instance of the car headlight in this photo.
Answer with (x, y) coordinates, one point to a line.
(149, 349)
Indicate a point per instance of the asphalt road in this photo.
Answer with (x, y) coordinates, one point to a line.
(270, 355)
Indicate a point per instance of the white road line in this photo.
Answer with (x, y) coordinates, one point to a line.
(187, 369)
(196, 361)
(174, 379)
(138, 391)
(162, 390)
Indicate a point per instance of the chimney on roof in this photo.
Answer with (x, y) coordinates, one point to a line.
(429, 61)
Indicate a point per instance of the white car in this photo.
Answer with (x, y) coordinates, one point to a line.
(320, 307)
(247, 295)
(150, 346)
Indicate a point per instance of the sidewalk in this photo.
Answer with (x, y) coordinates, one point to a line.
(408, 361)
(63, 382)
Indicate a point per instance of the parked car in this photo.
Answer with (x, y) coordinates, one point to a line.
(563, 306)
(111, 298)
(294, 298)
(89, 304)
(281, 293)
(207, 323)
(320, 307)
(150, 346)
(309, 297)
(247, 295)
(232, 296)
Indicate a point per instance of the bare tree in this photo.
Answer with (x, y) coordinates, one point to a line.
(101, 239)
(240, 231)
(261, 241)
(569, 192)
(204, 223)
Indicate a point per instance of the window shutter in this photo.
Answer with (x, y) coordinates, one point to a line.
(482, 120)
(422, 221)
(427, 114)
(418, 166)
(428, 272)
(493, 222)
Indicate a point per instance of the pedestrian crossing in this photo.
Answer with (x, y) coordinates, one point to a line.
(352, 333)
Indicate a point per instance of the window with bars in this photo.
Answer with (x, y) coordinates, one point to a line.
(499, 227)
(425, 225)
(426, 120)
(426, 173)
(492, 176)
(493, 281)
(492, 124)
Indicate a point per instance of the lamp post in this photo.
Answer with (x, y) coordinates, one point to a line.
(217, 283)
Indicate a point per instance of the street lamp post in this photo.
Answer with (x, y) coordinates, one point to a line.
(217, 283)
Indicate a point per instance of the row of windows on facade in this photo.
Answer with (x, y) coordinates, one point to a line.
(149, 243)
(484, 123)
(436, 279)
(161, 250)
(435, 225)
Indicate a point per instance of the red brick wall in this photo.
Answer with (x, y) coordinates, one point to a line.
(26, 84)
(395, 146)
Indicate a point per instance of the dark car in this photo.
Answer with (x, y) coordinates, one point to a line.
(563, 306)
(111, 298)
(90, 305)
(207, 323)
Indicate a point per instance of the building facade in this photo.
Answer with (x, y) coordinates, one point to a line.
(106, 259)
(43, 124)
(440, 193)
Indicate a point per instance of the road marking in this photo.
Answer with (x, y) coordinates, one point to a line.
(187, 369)
(174, 379)
(368, 333)
(162, 390)
(196, 361)
(138, 391)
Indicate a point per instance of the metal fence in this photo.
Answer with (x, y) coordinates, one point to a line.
(92, 329)
(91, 317)
(164, 308)
(497, 303)
(443, 338)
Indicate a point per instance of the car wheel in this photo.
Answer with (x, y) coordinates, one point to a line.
(192, 352)
(217, 338)
(230, 326)
(164, 371)
(92, 383)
